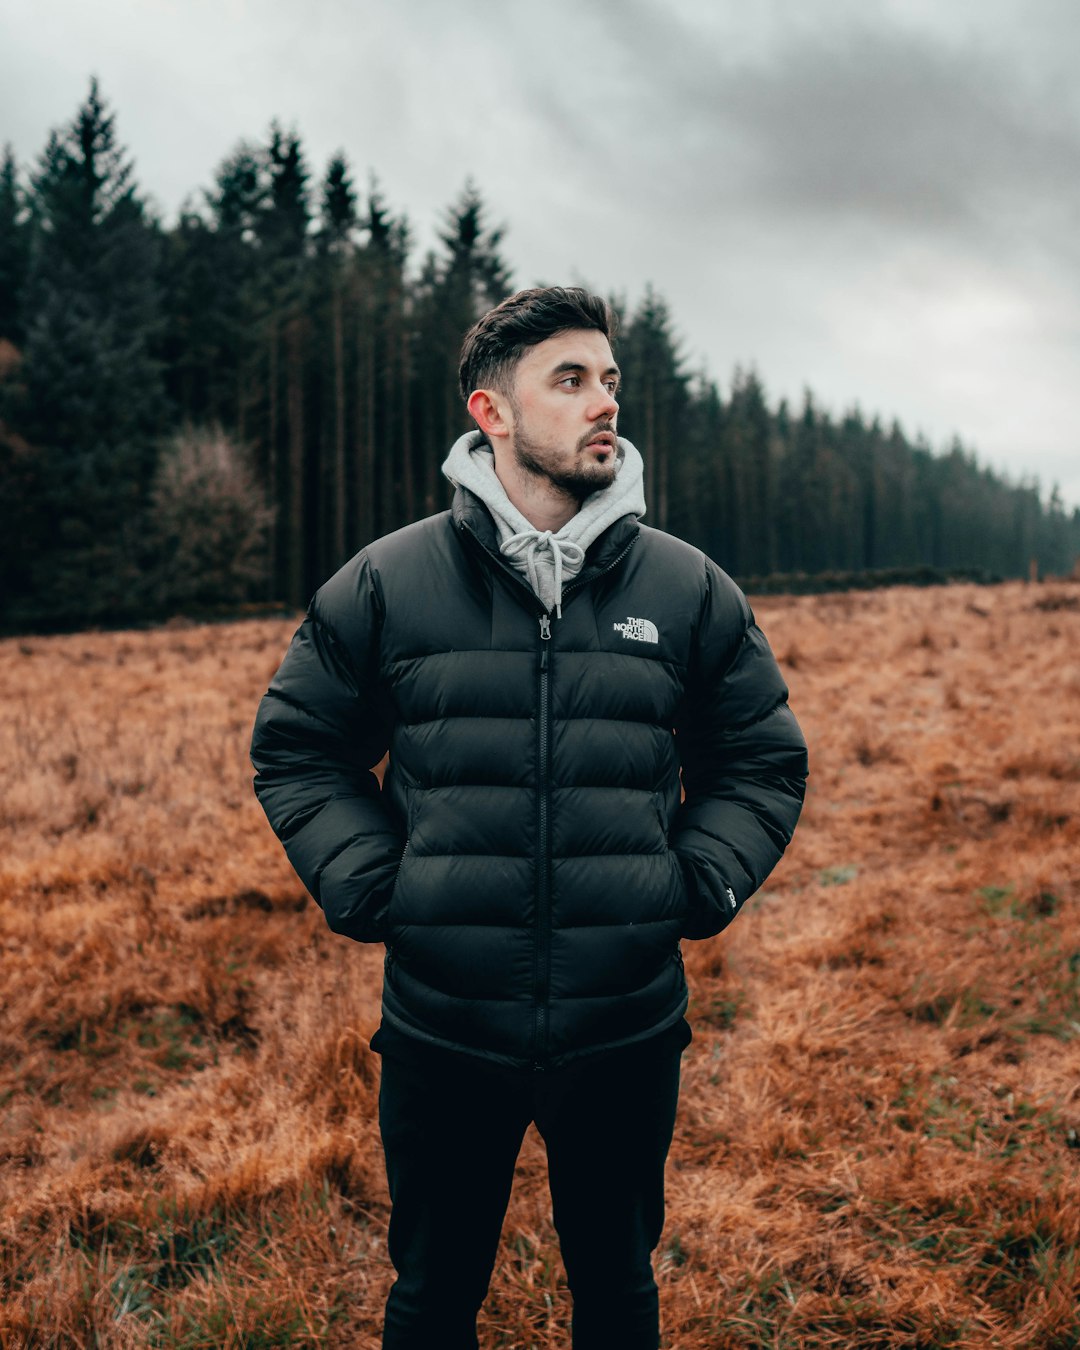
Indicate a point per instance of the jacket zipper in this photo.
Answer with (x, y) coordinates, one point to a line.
(543, 891)
(542, 945)
(542, 976)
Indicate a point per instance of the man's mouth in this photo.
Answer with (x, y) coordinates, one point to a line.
(601, 440)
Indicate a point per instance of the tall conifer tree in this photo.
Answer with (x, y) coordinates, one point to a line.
(14, 249)
(455, 288)
(654, 398)
(336, 244)
(282, 234)
(90, 401)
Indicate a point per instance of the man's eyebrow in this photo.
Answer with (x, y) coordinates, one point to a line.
(578, 367)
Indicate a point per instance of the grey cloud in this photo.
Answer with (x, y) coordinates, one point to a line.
(880, 198)
(897, 130)
(886, 124)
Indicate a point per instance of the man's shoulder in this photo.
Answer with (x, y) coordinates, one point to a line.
(683, 570)
(412, 546)
(406, 542)
(668, 551)
(671, 549)
(407, 554)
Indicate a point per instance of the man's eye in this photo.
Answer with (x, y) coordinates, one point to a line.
(571, 379)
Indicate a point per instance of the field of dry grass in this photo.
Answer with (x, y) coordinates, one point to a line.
(880, 1124)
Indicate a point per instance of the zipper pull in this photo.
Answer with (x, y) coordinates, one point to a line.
(545, 627)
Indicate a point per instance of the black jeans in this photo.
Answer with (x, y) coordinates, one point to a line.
(452, 1125)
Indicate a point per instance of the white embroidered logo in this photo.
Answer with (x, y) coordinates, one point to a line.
(638, 630)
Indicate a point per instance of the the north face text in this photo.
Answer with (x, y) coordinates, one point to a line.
(638, 630)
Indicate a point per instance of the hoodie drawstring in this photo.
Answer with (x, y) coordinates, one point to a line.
(563, 551)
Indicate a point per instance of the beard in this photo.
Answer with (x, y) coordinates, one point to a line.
(580, 477)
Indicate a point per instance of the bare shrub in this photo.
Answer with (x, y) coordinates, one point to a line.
(208, 523)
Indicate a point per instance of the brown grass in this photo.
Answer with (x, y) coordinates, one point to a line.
(880, 1123)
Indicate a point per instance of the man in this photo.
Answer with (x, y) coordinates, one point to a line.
(526, 657)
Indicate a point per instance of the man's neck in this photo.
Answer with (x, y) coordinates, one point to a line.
(544, 506)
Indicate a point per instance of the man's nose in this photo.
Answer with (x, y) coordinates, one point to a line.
(603, 406)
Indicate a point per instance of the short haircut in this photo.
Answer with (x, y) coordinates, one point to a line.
(496, 343)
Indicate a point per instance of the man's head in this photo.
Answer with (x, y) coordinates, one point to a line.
(496, 343)
(539, 378)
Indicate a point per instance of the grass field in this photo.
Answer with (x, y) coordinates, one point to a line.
(879, 1133)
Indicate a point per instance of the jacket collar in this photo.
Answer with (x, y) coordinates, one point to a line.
(469, 512)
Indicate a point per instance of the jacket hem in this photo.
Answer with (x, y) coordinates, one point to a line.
(525, 1062)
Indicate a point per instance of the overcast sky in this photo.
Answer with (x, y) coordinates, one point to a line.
(878, 199)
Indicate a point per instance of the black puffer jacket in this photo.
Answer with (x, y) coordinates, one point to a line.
(527, 860)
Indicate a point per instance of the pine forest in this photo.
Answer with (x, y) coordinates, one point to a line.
(219, 411)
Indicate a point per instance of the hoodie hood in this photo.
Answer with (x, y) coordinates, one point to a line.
(546, 558)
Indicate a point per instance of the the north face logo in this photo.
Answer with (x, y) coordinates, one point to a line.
(638, 630)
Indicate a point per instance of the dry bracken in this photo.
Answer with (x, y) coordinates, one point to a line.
(880, 1122)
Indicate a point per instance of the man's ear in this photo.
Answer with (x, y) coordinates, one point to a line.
(488, 410)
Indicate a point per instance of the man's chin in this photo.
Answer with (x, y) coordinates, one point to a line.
(588, 480)
(580, 481)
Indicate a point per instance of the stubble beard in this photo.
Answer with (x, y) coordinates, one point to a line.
(582, 478)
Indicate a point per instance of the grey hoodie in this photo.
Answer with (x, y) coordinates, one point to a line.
(546, 558)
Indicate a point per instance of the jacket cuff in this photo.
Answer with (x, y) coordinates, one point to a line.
(711, 902)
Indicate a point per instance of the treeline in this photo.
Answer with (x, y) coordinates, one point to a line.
(226, 408)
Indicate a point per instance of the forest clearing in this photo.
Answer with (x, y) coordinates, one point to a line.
(879, 1131)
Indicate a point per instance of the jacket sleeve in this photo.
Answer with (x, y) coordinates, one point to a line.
(320, 729)
(744, 762)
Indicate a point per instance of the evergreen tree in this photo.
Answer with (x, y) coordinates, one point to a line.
(282, 234)
(291, 320)
(455, 288)
(387, 494)
(208, 274)
(283, 224)
(14, 250)
(90, 399)
(747, 449)
(337, 225)
(698, 509)
(653, 400)
(337, 208)
(15, 463)
(225, 294)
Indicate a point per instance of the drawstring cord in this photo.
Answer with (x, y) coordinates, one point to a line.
(528, 544)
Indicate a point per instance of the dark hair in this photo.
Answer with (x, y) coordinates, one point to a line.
(496, 343)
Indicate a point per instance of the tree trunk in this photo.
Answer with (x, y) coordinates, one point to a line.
(273, 486)
(365, 478)
(375, 461)
(341, 496)
(295, 394)
(408, 474)
(650, 450)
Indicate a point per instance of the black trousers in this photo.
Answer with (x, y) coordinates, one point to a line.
(452, 1126)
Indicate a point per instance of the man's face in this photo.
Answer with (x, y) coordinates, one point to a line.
(563, 411)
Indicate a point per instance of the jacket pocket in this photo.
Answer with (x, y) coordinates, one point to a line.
(392, 920)
(678, 882)
(661, 821)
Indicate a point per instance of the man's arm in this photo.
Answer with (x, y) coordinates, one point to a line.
(744, 763)
(320, 730)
